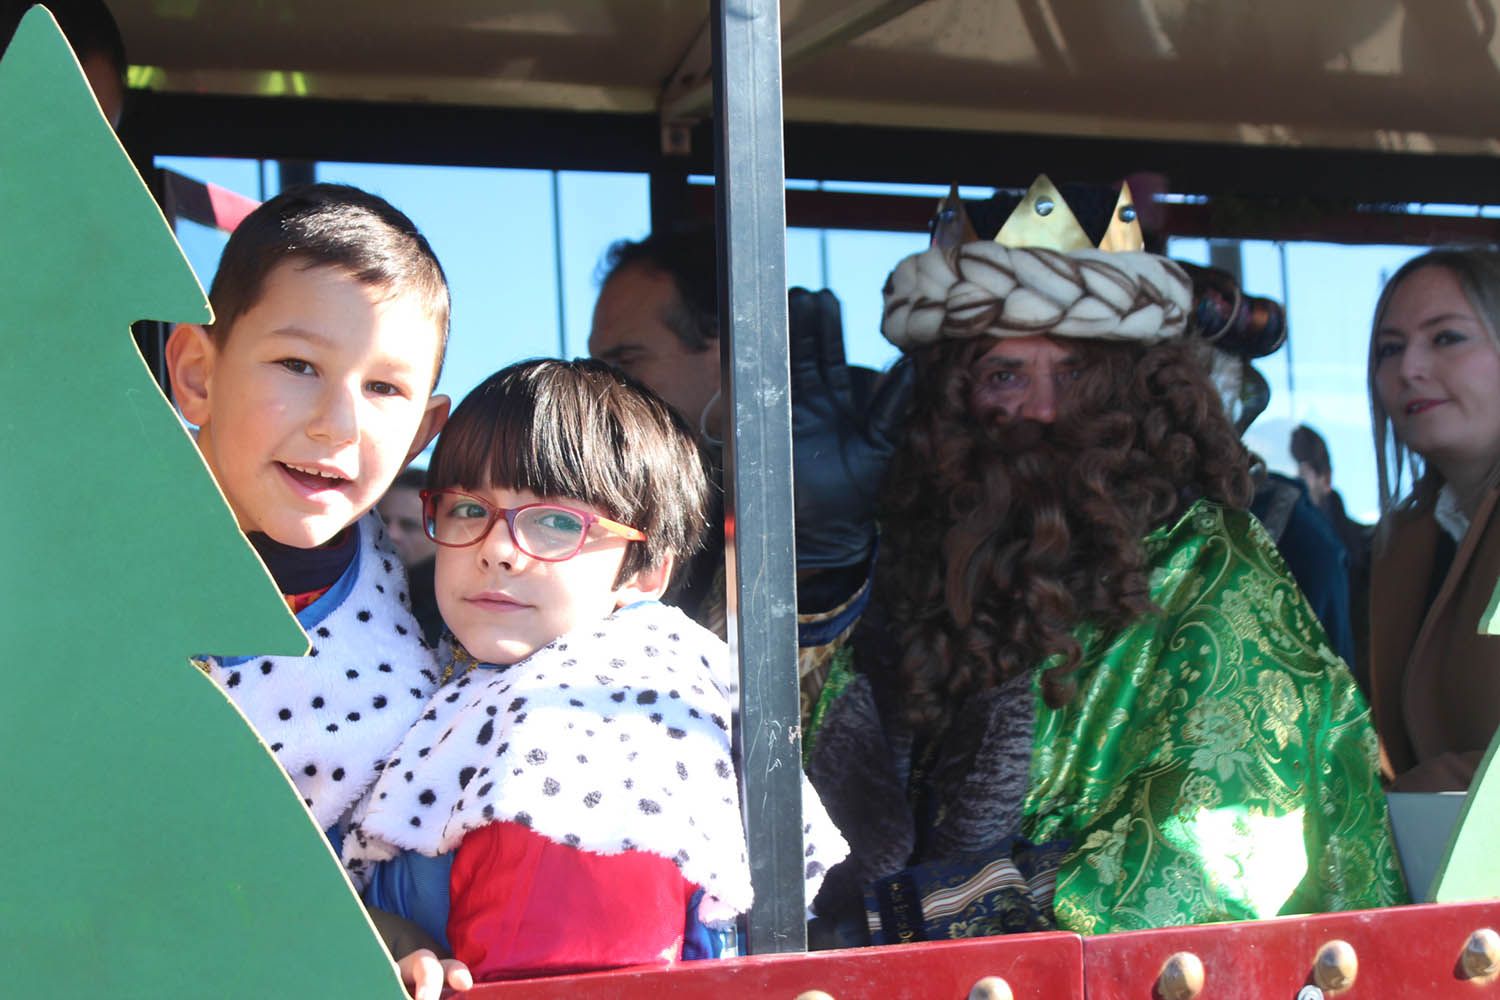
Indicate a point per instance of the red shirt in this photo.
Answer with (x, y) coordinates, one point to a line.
(523, 905)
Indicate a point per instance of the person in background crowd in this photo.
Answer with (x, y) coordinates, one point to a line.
(1241, 328)
(657, 320)
(1310, 452)
(91, 29)
(401, 509)
(1434, 372)
(1315, 468)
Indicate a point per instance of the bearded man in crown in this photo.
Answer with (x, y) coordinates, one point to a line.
(1086, 694)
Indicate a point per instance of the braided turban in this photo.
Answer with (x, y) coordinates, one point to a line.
(986, 288)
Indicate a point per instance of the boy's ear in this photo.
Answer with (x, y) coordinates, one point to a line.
(432, 422)
(645, 584)
(190, 366)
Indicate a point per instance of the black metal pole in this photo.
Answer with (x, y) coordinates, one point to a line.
(670, 205)
(557, 266)
(297, 172)
(761, 577)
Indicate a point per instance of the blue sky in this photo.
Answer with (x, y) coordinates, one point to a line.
(497, 235)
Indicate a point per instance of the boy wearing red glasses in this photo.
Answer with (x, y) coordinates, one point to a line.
(572, 781)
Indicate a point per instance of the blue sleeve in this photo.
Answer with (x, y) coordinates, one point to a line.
(414, 886)
(1320, 564)
(698, 941)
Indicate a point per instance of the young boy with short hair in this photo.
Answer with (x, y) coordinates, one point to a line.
(311, 390)
(572, 783)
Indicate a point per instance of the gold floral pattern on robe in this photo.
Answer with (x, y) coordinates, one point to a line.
(1218, 762)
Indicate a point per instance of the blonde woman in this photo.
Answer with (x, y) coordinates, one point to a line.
(1434, 375)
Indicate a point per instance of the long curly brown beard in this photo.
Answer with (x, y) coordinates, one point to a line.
(999, 541)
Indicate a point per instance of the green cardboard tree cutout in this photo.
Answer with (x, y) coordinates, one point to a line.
(1468, 870)
(152, 846)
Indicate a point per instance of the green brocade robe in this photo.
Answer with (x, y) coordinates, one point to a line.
(1217, 762)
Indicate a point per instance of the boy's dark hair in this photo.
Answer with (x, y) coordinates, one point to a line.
(690, 258)
(329, 224)
(87, 24)
(1308, 446)
(582, 430)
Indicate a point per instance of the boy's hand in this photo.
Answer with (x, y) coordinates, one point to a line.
(424, 974)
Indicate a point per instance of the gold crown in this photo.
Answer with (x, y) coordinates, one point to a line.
(1043, 219)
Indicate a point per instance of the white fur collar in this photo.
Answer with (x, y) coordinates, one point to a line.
(613, 737)
(332, 717)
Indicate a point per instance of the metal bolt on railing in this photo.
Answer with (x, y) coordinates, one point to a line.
(1336, 967)
(1481, 955)
(1181, 977)
(991, 988)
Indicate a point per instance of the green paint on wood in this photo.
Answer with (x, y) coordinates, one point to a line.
(152, 846)
(1468, 870)
(1489, 621)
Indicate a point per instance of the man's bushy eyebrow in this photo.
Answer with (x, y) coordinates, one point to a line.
(1004, 362)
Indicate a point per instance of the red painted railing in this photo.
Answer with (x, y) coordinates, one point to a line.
(1412, 952)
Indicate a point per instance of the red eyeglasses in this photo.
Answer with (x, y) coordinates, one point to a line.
(546, 531)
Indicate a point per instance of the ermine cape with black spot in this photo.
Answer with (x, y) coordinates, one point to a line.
(613, 737)
(332, 717)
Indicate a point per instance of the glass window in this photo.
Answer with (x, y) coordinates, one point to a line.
(595, 210)
(1318, 378)
(492, 230)
(853, 265)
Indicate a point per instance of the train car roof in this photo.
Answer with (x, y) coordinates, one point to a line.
(1356, 74)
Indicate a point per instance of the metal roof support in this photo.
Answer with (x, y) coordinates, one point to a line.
(760, 576)
(293, 172)
(160, 124)
(671, 198)
(686, 94)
